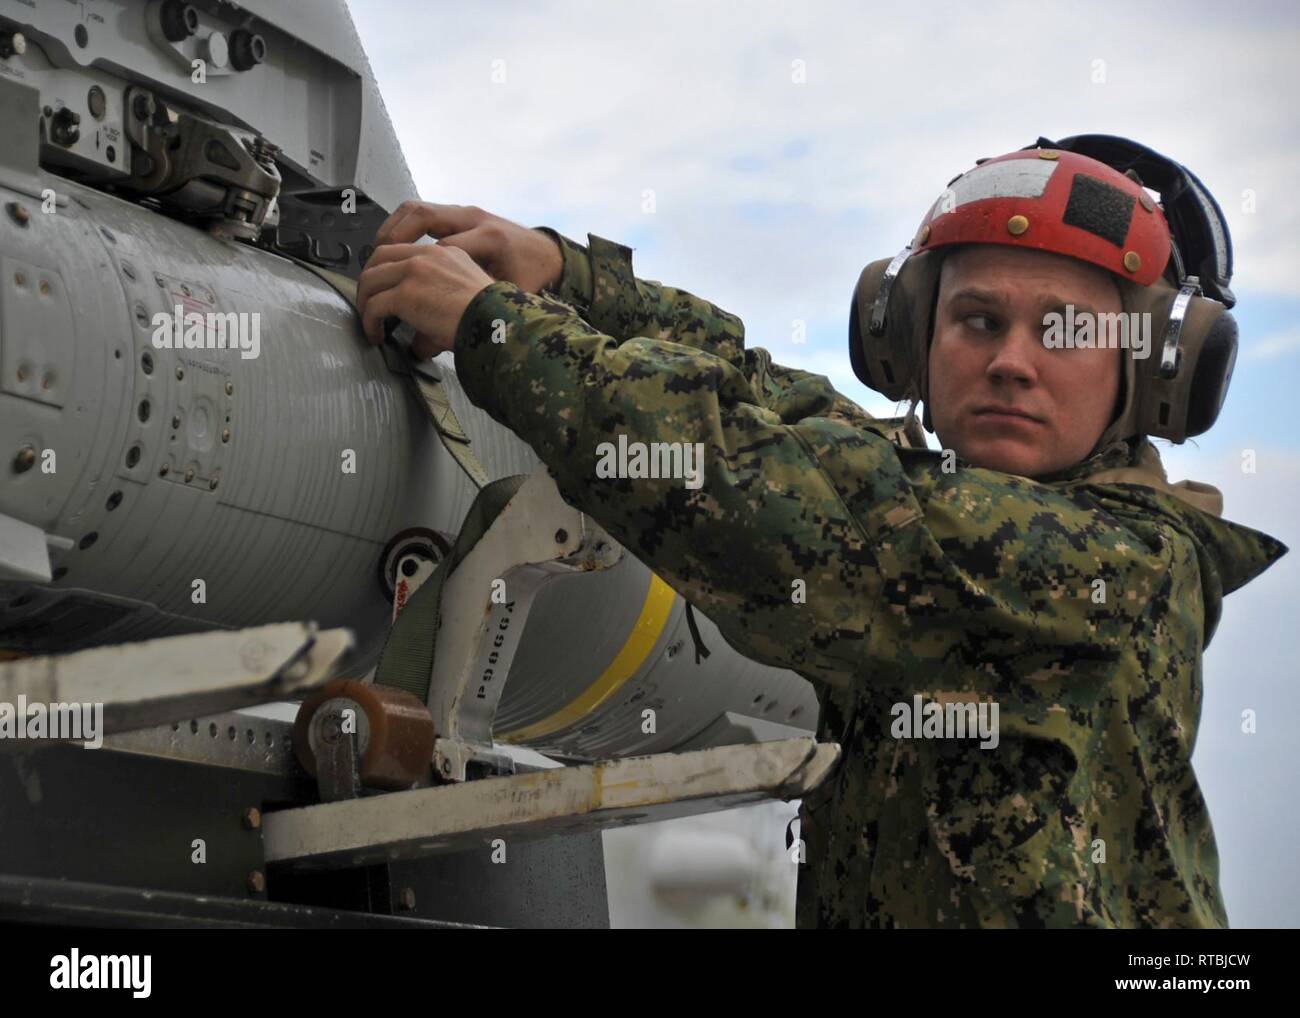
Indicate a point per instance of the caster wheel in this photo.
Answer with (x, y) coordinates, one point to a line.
(394, 731)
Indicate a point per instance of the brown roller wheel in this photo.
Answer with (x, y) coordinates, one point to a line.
(395, 731)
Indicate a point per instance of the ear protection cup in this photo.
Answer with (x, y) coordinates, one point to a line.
(891, 359)
(1182, 384)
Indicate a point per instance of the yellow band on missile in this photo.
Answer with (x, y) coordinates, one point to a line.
(636, 648)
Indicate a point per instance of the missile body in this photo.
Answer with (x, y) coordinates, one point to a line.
(182, 485)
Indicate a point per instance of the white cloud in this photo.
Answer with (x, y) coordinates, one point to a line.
(1278, 344)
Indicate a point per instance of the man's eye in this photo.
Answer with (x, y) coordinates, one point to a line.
(980, 322)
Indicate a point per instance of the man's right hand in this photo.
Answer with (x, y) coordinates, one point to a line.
(506, 251)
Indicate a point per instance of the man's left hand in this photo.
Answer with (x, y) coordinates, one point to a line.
(428, 286)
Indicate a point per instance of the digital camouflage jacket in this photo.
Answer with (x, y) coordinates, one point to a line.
(817, 543)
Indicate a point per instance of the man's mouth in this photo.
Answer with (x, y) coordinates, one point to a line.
(993, 412)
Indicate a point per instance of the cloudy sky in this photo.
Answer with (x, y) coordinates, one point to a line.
(759, 154)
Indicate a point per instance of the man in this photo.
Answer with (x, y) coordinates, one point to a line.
(1021, 569)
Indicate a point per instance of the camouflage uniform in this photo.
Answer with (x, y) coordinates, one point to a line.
(971, 585)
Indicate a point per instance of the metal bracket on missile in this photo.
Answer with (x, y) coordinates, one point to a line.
(485, 603)
(23, 552)
(452, 817)
(222, 174)
(176, 678)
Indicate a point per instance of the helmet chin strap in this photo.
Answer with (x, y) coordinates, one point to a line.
(1123, 424)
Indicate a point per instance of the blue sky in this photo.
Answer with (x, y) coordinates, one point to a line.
(786, 147)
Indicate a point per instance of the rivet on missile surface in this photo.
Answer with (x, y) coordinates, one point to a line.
(925, 234)
(1048, 153)
(133, 456)
(22, 373)
(45, 287)
(1017, 225)
(230, 388)
(25, 459)
(189, 474)
(176, 423)
(164, 470)
(20, 279)
(212, 484)
(561, 536)
(406, 899)
(252, 818)
(257, 882)
(1132, 261)
(114, 500)
(1145, 201)
(88, 540)
(225, 434)
(18, 213)
(47, 381)
(180, 373)
(146, 362)
(128, 271)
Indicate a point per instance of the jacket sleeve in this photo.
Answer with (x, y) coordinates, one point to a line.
(756, 536)
(598, 282)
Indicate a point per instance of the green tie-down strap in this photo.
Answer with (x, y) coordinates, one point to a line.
(430, 391)
(407, 658)
(433, 394)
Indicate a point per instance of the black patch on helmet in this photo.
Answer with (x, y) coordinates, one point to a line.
(1099, 208)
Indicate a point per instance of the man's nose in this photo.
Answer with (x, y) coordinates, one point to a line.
(1015, 358)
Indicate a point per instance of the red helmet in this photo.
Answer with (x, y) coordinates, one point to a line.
(1052, 200)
